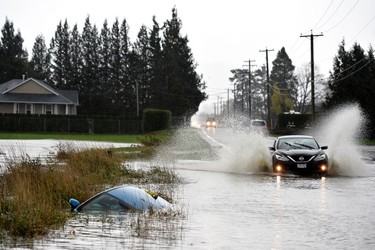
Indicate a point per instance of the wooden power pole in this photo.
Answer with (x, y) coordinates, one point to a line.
(268, 89)
(311, 36)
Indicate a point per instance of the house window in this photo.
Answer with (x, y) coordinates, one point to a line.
(48, 109)
(28, 109)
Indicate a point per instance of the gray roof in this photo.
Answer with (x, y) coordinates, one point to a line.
(58, 96)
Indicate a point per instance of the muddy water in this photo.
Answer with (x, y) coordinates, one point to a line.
(223, 210)
(230, 203)
(236, 211)
(233, 201)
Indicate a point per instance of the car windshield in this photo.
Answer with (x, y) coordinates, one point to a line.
(258, 123)
(104, 202)
(297, 143)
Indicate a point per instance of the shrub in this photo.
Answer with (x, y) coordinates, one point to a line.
(155, 119)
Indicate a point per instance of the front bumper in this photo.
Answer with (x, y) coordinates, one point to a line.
(320, 167)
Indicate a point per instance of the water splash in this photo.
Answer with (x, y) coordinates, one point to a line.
(250, 154)
(340, 130)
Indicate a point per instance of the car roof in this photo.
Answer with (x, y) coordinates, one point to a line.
(134, 197)
(294, 136)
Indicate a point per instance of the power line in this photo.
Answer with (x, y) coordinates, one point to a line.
(329, 6)
(331, 15)
(342, 19)
(352, 73)
(364, 27)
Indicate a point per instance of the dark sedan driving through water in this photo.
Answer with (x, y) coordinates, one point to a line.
(299, 154)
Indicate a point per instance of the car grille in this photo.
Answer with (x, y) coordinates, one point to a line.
(301, 158)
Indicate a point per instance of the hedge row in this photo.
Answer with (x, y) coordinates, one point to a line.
(156, 119)
(69, 124)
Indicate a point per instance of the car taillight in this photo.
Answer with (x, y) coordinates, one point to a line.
(279, 168)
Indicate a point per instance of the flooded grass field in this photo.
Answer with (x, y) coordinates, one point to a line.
(229, 198)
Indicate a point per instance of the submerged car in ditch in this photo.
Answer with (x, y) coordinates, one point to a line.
(299, 154)
(122, 198)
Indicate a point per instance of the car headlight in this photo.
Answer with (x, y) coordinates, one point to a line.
(281, 158)
(320, 157)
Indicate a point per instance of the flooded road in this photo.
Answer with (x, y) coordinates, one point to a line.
(245, 207)
(236, 211)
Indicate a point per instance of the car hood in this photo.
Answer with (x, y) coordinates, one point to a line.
(300, 152)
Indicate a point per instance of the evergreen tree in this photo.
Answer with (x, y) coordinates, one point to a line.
(240, 79)
(259, 93)
(61, 57)
(40, 64)
(156, 68)
(184, 87)
(347, 82)
(75, 51)
(283, 75)
(126, 93)
(141, 70)
(115, 69)
(104, 65)
(13, 58)
(353, 80)
(90, 103)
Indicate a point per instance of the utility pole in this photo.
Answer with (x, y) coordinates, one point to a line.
(268, 89)
(311, 36)
(234, 100)
(249, 64)
(228, 102)
(218, 106)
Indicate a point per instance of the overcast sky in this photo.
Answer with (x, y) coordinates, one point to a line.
(222, 33)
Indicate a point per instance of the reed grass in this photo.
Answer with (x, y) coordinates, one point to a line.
(34, 195)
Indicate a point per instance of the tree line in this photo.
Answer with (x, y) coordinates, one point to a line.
(351, 80)
(113, 75)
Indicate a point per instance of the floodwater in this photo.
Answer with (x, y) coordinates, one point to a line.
(234, 201)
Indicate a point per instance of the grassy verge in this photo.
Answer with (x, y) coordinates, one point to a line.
(34, 196)
(160, 135)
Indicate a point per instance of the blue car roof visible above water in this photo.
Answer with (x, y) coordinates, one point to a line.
(134, 197)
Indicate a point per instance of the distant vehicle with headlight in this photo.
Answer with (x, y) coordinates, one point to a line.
(258, 126)
(299, 154)
(211, 122)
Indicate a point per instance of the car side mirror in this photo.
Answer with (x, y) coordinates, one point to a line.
(272, 148)
(73, 204)
(324, 147)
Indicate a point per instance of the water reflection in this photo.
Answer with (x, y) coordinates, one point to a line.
(237, 211)
(118, 231)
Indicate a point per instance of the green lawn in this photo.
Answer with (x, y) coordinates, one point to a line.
(84, 137)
